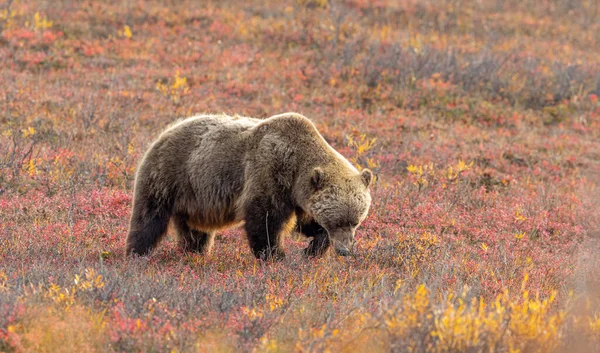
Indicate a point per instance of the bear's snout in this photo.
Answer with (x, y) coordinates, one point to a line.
(343, 252)
(343, 241)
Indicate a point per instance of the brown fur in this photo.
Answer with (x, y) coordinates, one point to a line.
(211, 172)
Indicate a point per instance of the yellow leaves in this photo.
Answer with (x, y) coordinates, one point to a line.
(484, 247)
(91, 280)
(421, 295)
(319, 332)
(410, 313)
(178, 88)
(273, 301)
(30, 131)
(360, 142)
(62, 296)
(361, 145)
(7, 133)
(399, 284)
(31, 170)
(7, 17)
(519, 217)
(164, 89)
(424, 173)
(372, 163)
(67, 296)
(460, 326)
(30, 166)
(244, 31)
(428, 239)
(529, 321)
(531, 318)
(461, 166)
(413, 169)
(373, 281)
(180, 82)
(520, 235)
(126, 32)
(252, 314)
(453, 172)
(516, 322)
(3, 282)
(268, 345)
(41, 22)
(594, 324)
(384, 32)
(525, 279)
(420, 172)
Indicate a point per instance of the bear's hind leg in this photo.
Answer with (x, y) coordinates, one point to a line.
(265, 227)
(192, 239)
(147, 226)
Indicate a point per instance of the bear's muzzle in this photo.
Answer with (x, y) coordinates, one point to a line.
(343, 241)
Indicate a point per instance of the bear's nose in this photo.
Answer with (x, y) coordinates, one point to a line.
(345, 248)
(343, 252)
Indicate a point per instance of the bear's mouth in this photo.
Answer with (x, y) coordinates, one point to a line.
(344, 248)
(343, 252)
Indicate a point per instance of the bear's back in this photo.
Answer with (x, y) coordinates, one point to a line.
(206, 122)
(299, 131)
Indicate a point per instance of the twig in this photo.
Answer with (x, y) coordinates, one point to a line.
(267, 229)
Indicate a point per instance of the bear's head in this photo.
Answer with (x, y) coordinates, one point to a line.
(339, 203)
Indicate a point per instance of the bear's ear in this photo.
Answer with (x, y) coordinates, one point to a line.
(367, 176)
(317, 178)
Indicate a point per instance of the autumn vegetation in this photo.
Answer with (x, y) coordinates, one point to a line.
(480, 119)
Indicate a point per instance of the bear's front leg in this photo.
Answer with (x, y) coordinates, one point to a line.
(320, 238)
(264, 227)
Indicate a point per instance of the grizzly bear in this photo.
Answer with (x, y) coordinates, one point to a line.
(276, 175)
